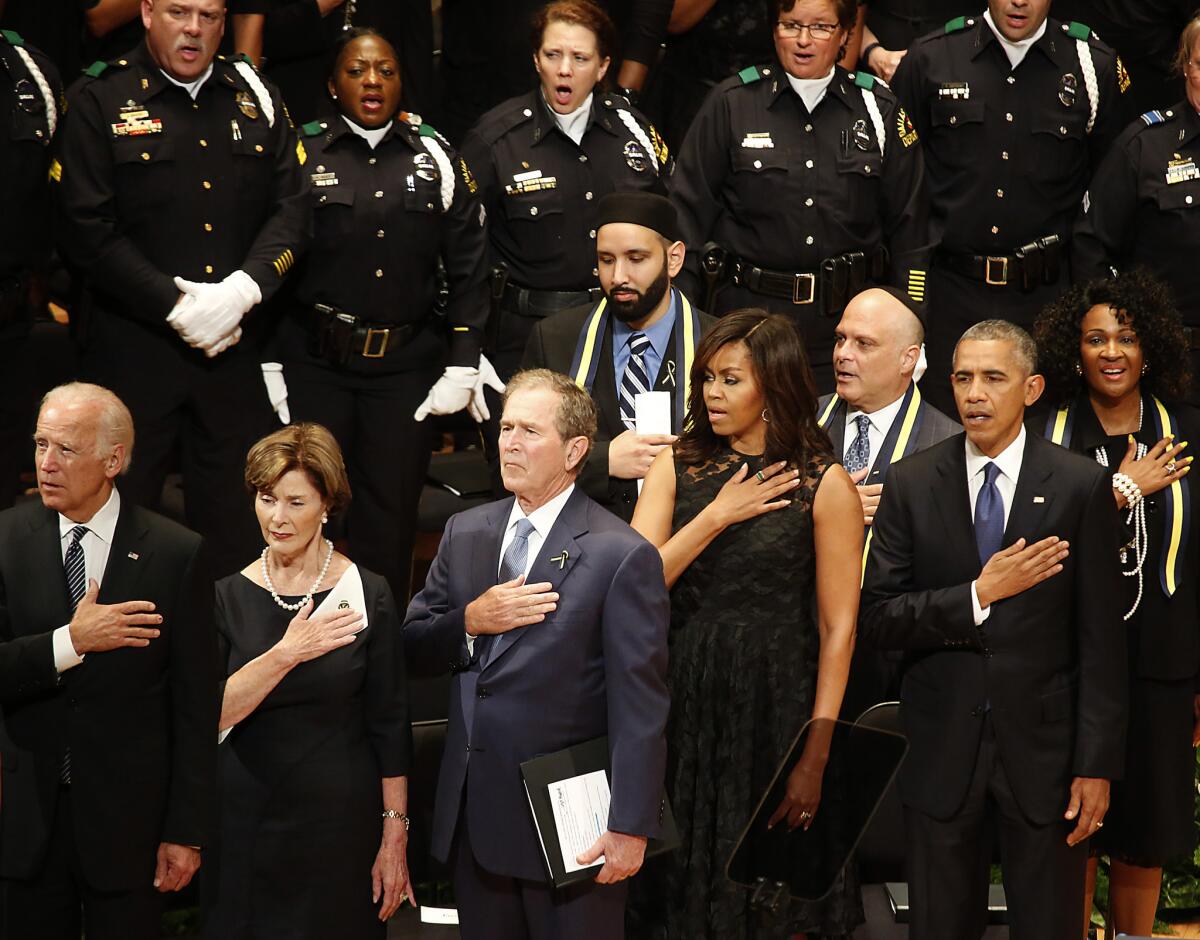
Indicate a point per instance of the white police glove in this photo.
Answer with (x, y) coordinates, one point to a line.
(487, 379)
(450, 394)
(216, 311)
(272, 373)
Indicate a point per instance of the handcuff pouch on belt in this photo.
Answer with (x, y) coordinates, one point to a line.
(1041, 262)
(340, 337)
(712, 269)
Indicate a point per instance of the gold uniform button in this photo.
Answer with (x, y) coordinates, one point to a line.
(808, 202)
(533, 210)
(999, 193)
(372, 161)
(1008, 116)
(808, 240)
(954, 119)
(867, 168)
(145, 156)
(1062, 129)
(1003, 154)
(995, 229)
(208, 226)
(379, 234)
(378, 272)
(207, 184)
(203, 142)
(379, 194)
(258, 148)
(208, 269)
(809, 164)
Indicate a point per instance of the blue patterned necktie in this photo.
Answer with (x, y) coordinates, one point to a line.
(512, 565)
(76, 569)
(636, 378)
(858, 455)
(989, 515)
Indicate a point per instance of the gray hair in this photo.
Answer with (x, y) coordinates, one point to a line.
(576, 412)
(114, 423)
(1001, 331)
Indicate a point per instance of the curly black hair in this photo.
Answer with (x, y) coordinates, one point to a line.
(1140, 300)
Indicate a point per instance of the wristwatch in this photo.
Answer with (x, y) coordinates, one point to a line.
(396, 814)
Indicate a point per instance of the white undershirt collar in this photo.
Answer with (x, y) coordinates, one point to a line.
(575, 123)
(371, 135)
(810, 90)
(192, 88)
(1016, 51)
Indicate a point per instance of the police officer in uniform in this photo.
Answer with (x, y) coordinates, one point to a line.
(29, 108)
(183, 204)
(799, 184)
(361, 346)
(543, 160)
(1143, 205)
(1015, 110)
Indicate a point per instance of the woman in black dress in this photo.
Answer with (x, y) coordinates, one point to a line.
(316, 739)
(761, 536)
(1116, 368)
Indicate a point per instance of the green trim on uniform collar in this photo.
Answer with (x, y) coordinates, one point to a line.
(864, 80)
(749, 74)
(959, 22)
(426, 130)
(1079, 30)
(313, 128)
(14, 38)
(96, 69)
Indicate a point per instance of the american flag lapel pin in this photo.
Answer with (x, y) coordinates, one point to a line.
(133, 555)
(1039, 499)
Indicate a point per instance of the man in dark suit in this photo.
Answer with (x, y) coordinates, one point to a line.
(876, 417)
(642, 327)
(108, 684)
(552, 615)
(993, 566)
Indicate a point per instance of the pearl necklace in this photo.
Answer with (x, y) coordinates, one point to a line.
(312, 590)
(1136, 520)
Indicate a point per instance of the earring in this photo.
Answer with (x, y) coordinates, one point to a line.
(1078, 369)
(1145, 367)
(766, 420)
(324, 518)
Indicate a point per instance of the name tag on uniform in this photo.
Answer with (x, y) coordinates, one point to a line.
(324, 179)
(955, 91)
(525, 177)
(1181, 169)
(761, 141)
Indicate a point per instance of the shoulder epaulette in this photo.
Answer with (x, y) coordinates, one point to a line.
(864, 80)
(750, 74)
(957, 24)
(1077, 30)
(1157, 117)
(13, 38)
(313, 128)
(96, 69)
(427, 130)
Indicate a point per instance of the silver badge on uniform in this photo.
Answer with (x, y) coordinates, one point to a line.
(1068, 86)
(862, 140)
(28, 98)
(635, 157)
(426, 169)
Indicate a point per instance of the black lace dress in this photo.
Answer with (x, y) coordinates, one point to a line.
(743, 676)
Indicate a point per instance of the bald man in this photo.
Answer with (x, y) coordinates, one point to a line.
(876, 418)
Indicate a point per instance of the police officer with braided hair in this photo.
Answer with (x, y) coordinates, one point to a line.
(30, 95)
(1015, 111)
(182, 203)
(800, 184)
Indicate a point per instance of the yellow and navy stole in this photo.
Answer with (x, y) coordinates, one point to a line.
(899, 442)
(686, 334)
(1059, 428)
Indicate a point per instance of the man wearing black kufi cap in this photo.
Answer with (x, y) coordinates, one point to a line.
(640, 336)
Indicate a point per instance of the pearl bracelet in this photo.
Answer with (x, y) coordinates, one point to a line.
(396, 814)
(1124, 485)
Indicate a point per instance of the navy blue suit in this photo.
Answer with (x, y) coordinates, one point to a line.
(596, 665)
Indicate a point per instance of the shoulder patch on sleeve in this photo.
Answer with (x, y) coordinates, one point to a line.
(864, 80)
(1123, 80)
(749, 74)
(12, 38)
(1078, 30)
(904, 128)
(313, 128)
(956, 24)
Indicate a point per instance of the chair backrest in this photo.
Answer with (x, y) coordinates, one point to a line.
(880, 852)
(429, 741)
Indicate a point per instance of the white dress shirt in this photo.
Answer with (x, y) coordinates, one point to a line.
(96, 543)
(1016, 51)
(371, 135)
(542, 519)
(1009, 463)
(810, 90)
(574, 124)
(193, 87)
(881, 423)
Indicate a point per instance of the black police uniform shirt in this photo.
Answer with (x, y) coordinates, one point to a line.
(1143, 206)
(152, 185)
(896, 23)
(25, 137)
(1007, 151)
(541, 189)
(785, 189)
(381, 219)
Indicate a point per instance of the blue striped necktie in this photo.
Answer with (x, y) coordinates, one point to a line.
(636, 378)
(512, 565)
(76, 569)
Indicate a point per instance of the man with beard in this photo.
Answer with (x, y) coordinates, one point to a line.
(183, 204)
(641, 328)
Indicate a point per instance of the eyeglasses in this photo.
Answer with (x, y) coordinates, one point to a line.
(820, 32)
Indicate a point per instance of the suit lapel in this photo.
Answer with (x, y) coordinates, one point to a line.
(556, 559)
(47, 557)
(949, 493)
(1033, 495)
(604, 390)
(485, 555)
(837, 431)
(669, 372)
(127, 558)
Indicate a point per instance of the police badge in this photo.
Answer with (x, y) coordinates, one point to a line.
(247, 105)
(1068, 87)
(425, 168)
(862, 140)
(635, 157)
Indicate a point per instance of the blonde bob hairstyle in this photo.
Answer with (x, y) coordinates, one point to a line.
(307, 447)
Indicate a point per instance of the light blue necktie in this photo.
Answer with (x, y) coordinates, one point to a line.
(512, 565)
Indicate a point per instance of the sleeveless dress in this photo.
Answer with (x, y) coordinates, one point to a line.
(743, 675)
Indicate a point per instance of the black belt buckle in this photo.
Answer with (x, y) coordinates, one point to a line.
(804, 288)
(372, 333)
(990, 265)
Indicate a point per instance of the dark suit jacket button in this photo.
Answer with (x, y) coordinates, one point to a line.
(483, 693)
(468, 748)
(987, 653)
(977, 711)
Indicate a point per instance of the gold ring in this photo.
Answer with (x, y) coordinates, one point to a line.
(763, 479)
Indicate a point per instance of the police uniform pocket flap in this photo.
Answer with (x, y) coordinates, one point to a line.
(1059, 705)
(952, 113)
(530, 207)
(868, 165)
(1062, 124)
(143, 150)
(1172, 197)
(334, 196)
(249, 144)
(758, 161)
